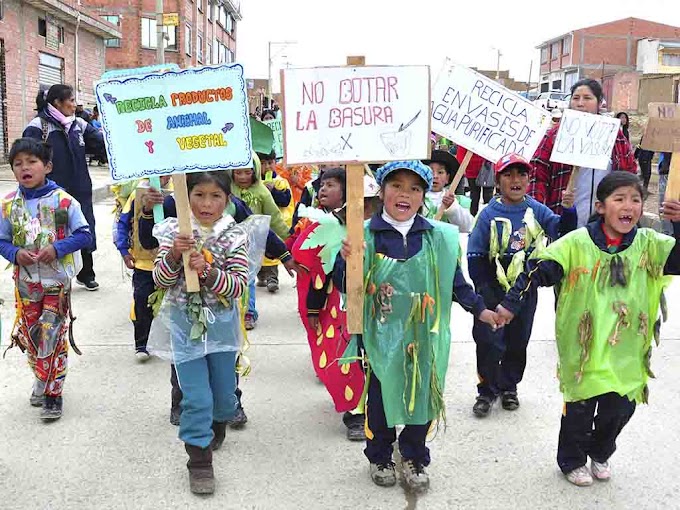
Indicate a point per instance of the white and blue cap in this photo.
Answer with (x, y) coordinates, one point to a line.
(417, 167)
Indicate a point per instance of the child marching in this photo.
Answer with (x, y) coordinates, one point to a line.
(42, 229)
(509, 231)
(411, 278)
(611, 275)
(456, 209)
(201, 332)
(140, 260)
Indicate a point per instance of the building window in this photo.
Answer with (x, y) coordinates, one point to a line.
(555, 50)
(229, 27)
(566, 45)
(221, 52)
(211, 10)
(149, 35)
(208, 54)
(544, 55)
(199, 47)
(670, 59)
(230, 56)
(199, 4)
(2, 9)
(222, 16)
(114, 20)
(187, 39)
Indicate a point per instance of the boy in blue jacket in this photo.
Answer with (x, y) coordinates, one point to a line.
(42, 229)
(275, 249)
(506, 234)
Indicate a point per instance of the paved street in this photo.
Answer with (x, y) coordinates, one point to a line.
(114, 447)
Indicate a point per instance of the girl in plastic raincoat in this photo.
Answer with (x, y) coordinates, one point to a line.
(508, 231)
(200, 331)
(611, 276)
(411, 277)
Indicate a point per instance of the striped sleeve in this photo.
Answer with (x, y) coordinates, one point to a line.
(232, 279)
(166, 270)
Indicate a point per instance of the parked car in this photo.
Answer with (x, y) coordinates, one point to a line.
(553, 99)
(531, 95)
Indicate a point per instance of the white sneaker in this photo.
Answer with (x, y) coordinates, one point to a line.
(580, 477)
(142, 356)
(601, 470)
(414, 475)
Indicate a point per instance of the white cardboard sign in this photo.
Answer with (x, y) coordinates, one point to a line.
(485, 117)
(585, 140)
(355, 114)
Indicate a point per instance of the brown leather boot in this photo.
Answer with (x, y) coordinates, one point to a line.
(220, 430)
(201, 475)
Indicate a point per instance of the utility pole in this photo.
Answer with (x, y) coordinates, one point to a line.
(160, 41)
(269, 64)
(531, 69)
(498, 64)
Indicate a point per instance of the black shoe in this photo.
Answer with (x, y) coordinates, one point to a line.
(509, 400)
(52, 408)
(482, 406)
(89, 285)
(175, 414)
(219, 431)
(37, 400)
(261, 283)
(239, 420)
(273, 285)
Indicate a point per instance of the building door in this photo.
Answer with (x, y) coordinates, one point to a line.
(50, 70)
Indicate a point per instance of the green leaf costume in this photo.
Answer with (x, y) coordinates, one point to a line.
(605, 313)
(407, 312)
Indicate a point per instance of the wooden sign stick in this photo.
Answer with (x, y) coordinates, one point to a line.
(572, 178)
(454, 184)
(179, 181)
(355, 234)
(673, 186)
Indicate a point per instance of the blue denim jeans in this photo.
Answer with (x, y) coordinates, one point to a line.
(251, 300)
(666, 226)
(208, 386)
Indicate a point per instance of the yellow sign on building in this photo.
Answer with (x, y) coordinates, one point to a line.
(171, 19)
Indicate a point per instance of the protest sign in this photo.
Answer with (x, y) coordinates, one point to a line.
(663, 135)
(175, 122)
(663, 128)
(585, 140)
(277, 127)
(483, 116)
(356, 114)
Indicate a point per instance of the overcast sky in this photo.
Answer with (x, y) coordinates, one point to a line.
(421, 31)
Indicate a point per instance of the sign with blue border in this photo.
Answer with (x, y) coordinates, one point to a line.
(175, 122)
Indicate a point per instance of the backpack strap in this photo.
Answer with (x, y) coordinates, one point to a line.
(45, 126)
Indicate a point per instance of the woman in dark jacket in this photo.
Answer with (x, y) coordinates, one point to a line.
(70, 137)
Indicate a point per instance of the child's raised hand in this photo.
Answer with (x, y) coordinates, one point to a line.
(151, 197)
(670, 210)
(491, 318)
(197, 261)
(25, 258)
(448, 200)
(346, 249)
(504, 314)
(47, 255)
(293, 267)
(568, 198)
(181, 244)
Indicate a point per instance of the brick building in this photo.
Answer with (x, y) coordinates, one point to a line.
(597, 51)
(43, 42)
(206, 33)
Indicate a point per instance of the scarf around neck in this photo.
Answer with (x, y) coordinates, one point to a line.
(65, 121)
